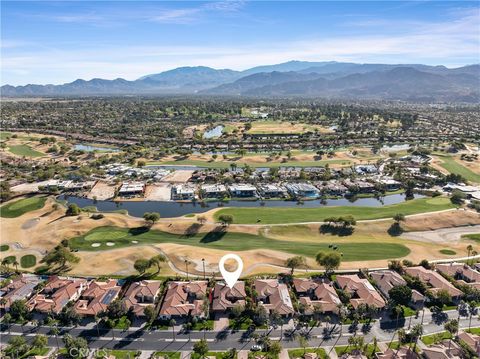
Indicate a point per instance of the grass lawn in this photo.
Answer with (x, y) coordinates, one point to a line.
(28, 261)
(435, 338)
(241, 163)
(123, 237)
(298, 353)
(407, 311)
(472, 237)
(271, 215)
(118, 354)
(447, 252)
(243, 324)
(4, 247)
(217, 355)
(169, 355)
(203, 324)
(5, 135)
(370, 350)
(35, 352)
(452, 166)
(22, 206)
(474, 331)
(24, 150)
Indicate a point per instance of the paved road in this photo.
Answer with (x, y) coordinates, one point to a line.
(327, 336)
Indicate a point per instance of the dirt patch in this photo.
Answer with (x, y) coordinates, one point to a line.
(30, 223)
(178, 176)
(441, 220)
(102, 191)
(158, 192)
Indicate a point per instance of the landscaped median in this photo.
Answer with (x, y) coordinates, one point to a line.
(278, 215)
(104, 238)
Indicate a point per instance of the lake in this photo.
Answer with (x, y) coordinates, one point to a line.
(176, 209)
(214, 132)
(91, 148)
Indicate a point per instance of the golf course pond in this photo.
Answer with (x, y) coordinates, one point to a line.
(177, 209)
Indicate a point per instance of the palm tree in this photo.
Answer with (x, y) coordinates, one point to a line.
(469, 250)
(15, 264)
(55, 331)
(416, 332)
(172, 324)
(96, 318)
(7, 319)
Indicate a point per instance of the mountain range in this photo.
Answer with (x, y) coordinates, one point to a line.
(335, 80)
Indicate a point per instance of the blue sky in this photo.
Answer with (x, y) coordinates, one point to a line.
(58, 42)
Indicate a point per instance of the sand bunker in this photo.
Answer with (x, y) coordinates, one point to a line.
(30, 223)
(134, 242)
(110, 244)
(96, 245)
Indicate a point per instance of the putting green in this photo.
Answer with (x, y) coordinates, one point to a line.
(105, 236)
(22, 206)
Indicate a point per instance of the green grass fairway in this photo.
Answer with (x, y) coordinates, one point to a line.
(22, 206)
(241, 163)
(472, 237)
(448, 252)
(453, 166)
(24, 150)
(28, 261)
(5, 135)
(271, 215)
(232, 241)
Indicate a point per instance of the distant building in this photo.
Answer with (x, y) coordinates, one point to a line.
(272, 191)
(461, 272)
(213, 191)
(242, 190)
(183, 192)
(302, 190)
(387, 279)
(131, 189)
(472, 340)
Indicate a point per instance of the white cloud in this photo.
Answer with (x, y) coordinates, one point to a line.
(452, 43)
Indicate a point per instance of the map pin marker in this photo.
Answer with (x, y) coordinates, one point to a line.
(231, 277)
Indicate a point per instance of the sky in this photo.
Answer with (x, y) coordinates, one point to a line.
(57, 42)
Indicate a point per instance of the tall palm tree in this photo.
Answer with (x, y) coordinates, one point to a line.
(55, 331)
(469, 250)
(96, 318)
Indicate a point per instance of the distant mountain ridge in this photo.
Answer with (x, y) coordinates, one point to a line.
(411, 82)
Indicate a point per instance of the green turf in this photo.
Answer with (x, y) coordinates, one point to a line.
(28, 261)
(5, 135)
(452, 166)
(224, 164)
(368, 351)
(168, 355)
(4, 247)
(118, 354)
(278, 215)
(472, 237)
(474, 331)
(24, 150)
(434, 338)
(22, 206)
(234, 242)
(298, 353)
(447, 252)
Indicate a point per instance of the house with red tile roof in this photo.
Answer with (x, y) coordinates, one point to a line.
(141, 295)
(20, 288)
(461, 272)
(361, 291)
(400, 353)
(385, 280)
(184, 299)
(96, 298)
(274, 296)
(316, 293)
(472, 340)
(57, 293)
(434, 281)
(447, 349)
(225, 298)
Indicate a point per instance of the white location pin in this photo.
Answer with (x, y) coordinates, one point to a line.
(231, 277)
